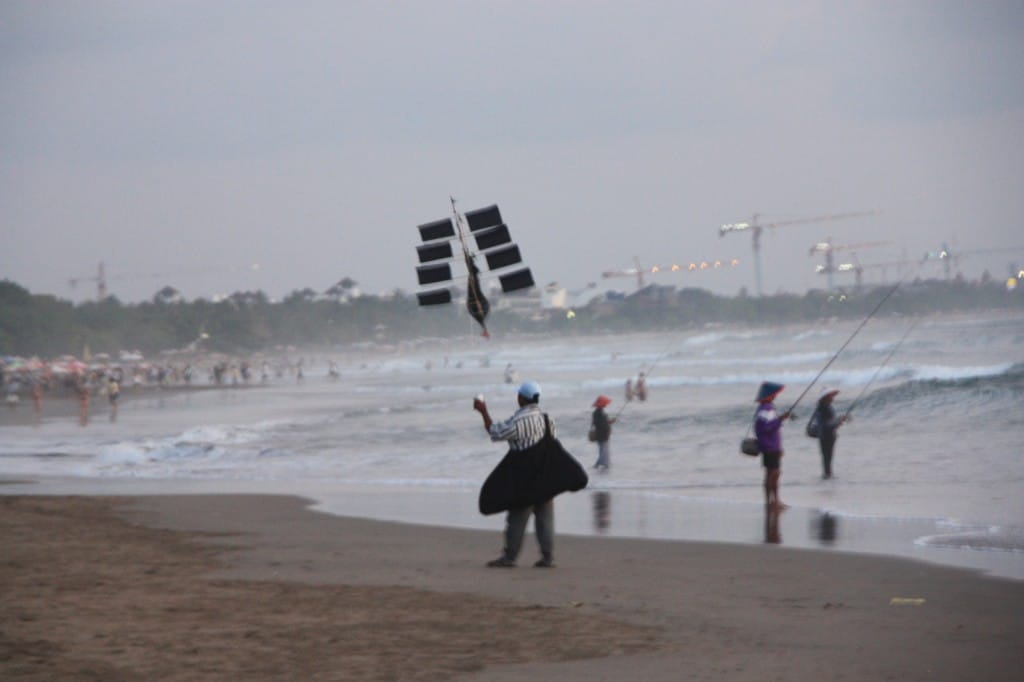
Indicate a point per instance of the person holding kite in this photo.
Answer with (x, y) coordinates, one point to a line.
(525, 428)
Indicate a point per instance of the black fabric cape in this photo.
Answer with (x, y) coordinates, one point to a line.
(531, 476)
(476, 302)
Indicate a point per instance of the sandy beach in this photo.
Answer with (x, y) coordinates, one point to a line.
(260, 587)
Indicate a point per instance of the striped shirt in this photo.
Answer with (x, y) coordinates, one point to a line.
(522, 429)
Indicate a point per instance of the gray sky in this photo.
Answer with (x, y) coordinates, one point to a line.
(181, 142)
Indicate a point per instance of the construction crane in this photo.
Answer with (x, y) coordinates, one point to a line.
(100, 278)
(694, 266)
(947, 256)
(756, 228)
(858, 268)
(637, 272)
(828, 248)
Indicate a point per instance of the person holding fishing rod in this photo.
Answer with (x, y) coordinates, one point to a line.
(767, 424)
(601, 432)
(824, 425)
(768, 430)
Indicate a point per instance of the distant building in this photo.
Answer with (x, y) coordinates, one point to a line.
(528, 302)
(555, 297)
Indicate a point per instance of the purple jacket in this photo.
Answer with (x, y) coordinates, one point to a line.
(768, 428)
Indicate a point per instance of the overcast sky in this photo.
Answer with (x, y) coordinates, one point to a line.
(182, 142)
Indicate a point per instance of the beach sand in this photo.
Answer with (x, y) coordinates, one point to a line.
(260, 587)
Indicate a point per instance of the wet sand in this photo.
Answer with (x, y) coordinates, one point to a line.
(260, 587)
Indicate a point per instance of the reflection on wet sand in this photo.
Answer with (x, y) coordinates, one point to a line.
(824, 528)
(772, 534)
(602, 500)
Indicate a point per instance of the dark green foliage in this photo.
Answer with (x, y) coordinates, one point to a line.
(247, 321)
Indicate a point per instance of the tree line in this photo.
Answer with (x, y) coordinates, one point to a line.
(44, 325)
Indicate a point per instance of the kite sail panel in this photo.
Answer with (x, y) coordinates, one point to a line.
(432, 252)
(492, 241)
(503, 257)
(483, 218)
(432, 274)
(492, 236)
(435, 297)
(439, 229)
(514, 281)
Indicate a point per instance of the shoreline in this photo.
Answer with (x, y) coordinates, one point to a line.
(63, 404)
(614, 514)
(214, 586)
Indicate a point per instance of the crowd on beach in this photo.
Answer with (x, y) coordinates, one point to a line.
(70, 377)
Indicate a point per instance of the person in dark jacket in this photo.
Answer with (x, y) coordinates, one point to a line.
(768, 429)
(601, 426)
(828, 428)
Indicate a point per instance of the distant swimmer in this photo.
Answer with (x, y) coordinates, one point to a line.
(83, 403)
(511, 375)
(824, 425)
(629, 390)
(37, 397)
(113, 392)
(601, 432)
(768, 429)
(641, 387)
(12, 398)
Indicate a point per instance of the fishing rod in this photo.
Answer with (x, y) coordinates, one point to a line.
(884, 363)
(846, 343)
(647, 373)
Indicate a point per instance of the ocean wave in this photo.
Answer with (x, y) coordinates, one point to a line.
(136, 453)
(993, 539)
(715, 338)
(812, 334)
(205, 443)
(953, 375)
(931, 384)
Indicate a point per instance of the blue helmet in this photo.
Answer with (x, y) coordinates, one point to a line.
(530, 390)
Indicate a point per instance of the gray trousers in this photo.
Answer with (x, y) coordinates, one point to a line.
(543, 524)
(604, 455)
